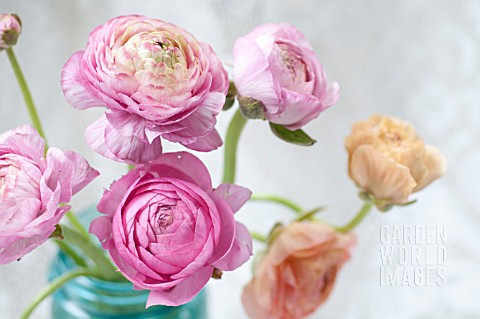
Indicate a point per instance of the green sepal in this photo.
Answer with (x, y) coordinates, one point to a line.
(297, 137)
(58, 233)
(252, 109)
(230, 99)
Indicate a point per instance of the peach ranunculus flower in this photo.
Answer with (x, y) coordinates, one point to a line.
(297, 273)
(389, 161)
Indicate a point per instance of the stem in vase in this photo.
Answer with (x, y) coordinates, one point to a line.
(55, 285)
(234, 131)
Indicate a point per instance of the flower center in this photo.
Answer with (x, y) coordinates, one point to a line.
(165, 217)
(156, 47)
(293, 63)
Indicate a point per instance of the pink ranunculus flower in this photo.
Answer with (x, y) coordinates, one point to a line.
(10, 29)
(166, 228)
(155, 79)
(275, 65)
(31, 188)
(298, 272)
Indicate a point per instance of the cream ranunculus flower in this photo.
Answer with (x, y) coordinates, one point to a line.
(389, 161)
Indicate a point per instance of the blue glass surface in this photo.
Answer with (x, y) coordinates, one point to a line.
(85, 298)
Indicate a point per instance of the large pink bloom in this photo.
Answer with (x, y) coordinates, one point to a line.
(32, 187)
(275, 64)
(166, 228)
(155, 79)
(298, 272)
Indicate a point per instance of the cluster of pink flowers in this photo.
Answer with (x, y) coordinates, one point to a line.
(166, 228)
(164, 225)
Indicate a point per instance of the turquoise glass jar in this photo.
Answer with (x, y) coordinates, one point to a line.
(85, 298)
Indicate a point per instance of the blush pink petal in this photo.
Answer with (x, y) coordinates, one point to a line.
(183, 292)
(207, 143)
(252, 77)
(128, 124)
(83, 173)
(235, 196)
(190, 165)
(107, 141)
(226, 233)
(74, 86)
(240, 252)
(24, 141)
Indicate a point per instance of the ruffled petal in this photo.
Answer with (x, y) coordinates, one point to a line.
(107, 141)
(240, 252)
(74, 86)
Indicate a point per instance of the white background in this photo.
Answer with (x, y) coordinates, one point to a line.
(418, 60)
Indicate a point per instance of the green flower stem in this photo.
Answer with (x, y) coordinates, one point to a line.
(105, 267)
(70, 252)
(358, 218)
(279, 200)
(26, 93)
(77, 225)
(259, 237)
(55, 285)
(234, 131)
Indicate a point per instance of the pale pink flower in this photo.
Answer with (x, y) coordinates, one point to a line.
(155, 79)
(166, 228)
(276, 65)
(298, 272)
(32, 187)
(10, 29)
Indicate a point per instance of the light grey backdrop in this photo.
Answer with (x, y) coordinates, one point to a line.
(418, 60)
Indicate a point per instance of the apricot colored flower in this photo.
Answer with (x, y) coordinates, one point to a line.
(298, 272)
(390, 161)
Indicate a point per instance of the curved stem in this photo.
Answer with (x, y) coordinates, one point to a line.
(70, 252)
(54, 286)
(279, 200)
(25, 92)
(107, 270)
(357, 219)
(234, 131)
(259, 237)
(77, 225)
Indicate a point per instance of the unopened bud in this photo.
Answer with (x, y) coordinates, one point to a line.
(10, 29)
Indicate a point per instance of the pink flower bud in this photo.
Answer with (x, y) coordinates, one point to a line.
(10, 29)
(275, 68)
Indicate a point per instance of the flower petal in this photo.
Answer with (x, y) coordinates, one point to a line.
(381, 176)
(183, 292)
(235, 196)
(107, 141)
(73, 85)
(240, 252)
